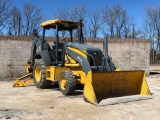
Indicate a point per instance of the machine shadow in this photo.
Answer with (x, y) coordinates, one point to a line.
(78, 91)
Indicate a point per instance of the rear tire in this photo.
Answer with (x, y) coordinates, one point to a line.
(39, 75)
(67, 82)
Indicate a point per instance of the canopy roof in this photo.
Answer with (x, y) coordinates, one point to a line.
(62, 24)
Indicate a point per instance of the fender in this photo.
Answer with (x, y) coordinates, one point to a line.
(45, 56)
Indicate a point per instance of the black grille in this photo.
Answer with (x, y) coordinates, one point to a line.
(95, 56)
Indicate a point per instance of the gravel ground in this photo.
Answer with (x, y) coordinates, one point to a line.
(30, 103)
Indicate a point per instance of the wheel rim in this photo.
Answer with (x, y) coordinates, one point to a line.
(38, 73)
(63, 83)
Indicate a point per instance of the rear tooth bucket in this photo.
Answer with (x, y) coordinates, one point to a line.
(103, 88)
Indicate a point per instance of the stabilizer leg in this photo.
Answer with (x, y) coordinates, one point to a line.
(20, 83)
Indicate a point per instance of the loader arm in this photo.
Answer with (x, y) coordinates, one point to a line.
(89, 94)
(81, 60)
(103, 84)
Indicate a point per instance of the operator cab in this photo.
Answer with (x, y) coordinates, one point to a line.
(60, 25)
(57, 52)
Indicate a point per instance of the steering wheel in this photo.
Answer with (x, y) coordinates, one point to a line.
(65, 40)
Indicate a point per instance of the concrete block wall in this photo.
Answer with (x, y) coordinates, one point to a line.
(130, 54)
(14, 53)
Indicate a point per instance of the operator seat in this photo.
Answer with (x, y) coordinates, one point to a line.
(60, 50)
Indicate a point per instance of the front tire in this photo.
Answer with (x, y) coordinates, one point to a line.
(67, 82)
(39, 75)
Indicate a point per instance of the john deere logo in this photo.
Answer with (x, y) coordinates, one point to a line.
(80, 59)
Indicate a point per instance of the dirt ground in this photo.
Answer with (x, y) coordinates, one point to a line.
(25, 103)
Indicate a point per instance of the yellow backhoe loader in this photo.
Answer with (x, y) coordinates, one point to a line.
(72, 63)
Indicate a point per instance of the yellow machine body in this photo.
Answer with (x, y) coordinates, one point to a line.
(100, 87)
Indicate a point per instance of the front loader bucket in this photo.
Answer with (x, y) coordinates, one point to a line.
(105, 88)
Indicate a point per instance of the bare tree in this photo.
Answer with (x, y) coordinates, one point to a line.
(4, 13)
(109, 19)
(77, 13)
(117, 21)
(120, 19)
(62, 13)
(16, 21)
(32, 17)
(156, 14)
(94, 22)
(152, 30)
(128, 22)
